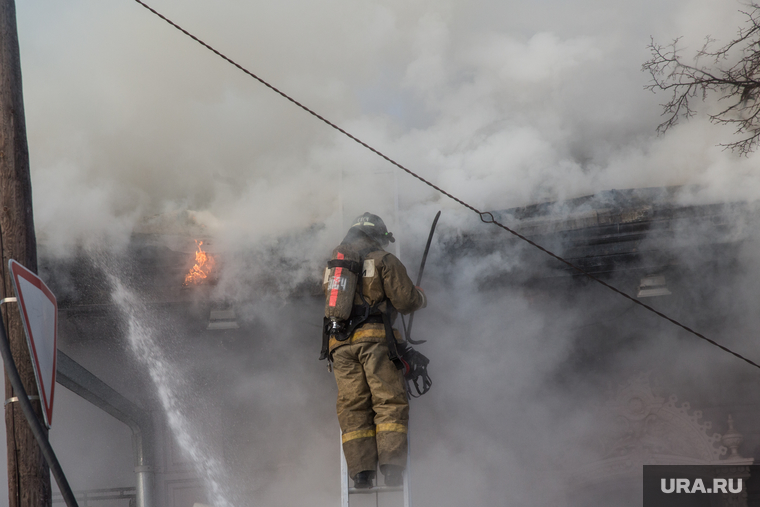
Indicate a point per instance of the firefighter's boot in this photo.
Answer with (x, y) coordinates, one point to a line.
(363, 480)
(394, 475)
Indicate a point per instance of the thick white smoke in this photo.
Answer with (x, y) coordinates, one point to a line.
(501, 103)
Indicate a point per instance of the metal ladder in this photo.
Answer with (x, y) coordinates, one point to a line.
(346, 491)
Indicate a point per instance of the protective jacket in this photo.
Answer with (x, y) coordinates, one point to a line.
(384, 280)
(372, 405)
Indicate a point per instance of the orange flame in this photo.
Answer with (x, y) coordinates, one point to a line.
(204, 263)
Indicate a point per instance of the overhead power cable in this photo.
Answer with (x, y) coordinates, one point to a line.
(485, 216)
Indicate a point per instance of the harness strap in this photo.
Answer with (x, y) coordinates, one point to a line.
(325, 339)
(374, 319)
(357, 319)
(353, 266)
(393, 354)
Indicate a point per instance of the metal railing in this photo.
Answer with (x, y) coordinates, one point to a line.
(91, 497)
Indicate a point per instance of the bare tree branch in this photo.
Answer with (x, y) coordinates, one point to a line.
(731, 72)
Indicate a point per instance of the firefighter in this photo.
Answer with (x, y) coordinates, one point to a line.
(373, 408)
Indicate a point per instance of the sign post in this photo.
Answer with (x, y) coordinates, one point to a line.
(39, 313)
(37, 317)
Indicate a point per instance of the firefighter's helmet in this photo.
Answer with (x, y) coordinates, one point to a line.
(374, 227)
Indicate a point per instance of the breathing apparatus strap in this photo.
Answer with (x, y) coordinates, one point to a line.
(361, 314)
(325, 339)
(352, 266)
(357, 319)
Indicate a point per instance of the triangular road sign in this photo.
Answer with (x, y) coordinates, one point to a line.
(39, 312)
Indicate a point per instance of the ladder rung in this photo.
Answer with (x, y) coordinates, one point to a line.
(376, 489)
(346, 492)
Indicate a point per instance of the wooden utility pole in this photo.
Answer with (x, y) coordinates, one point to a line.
(28, 474)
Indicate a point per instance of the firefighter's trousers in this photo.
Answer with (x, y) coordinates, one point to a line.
(373, 409)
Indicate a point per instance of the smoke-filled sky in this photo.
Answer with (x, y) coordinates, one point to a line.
(502, 103)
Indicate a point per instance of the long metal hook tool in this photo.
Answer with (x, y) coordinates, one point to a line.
(408, 329)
